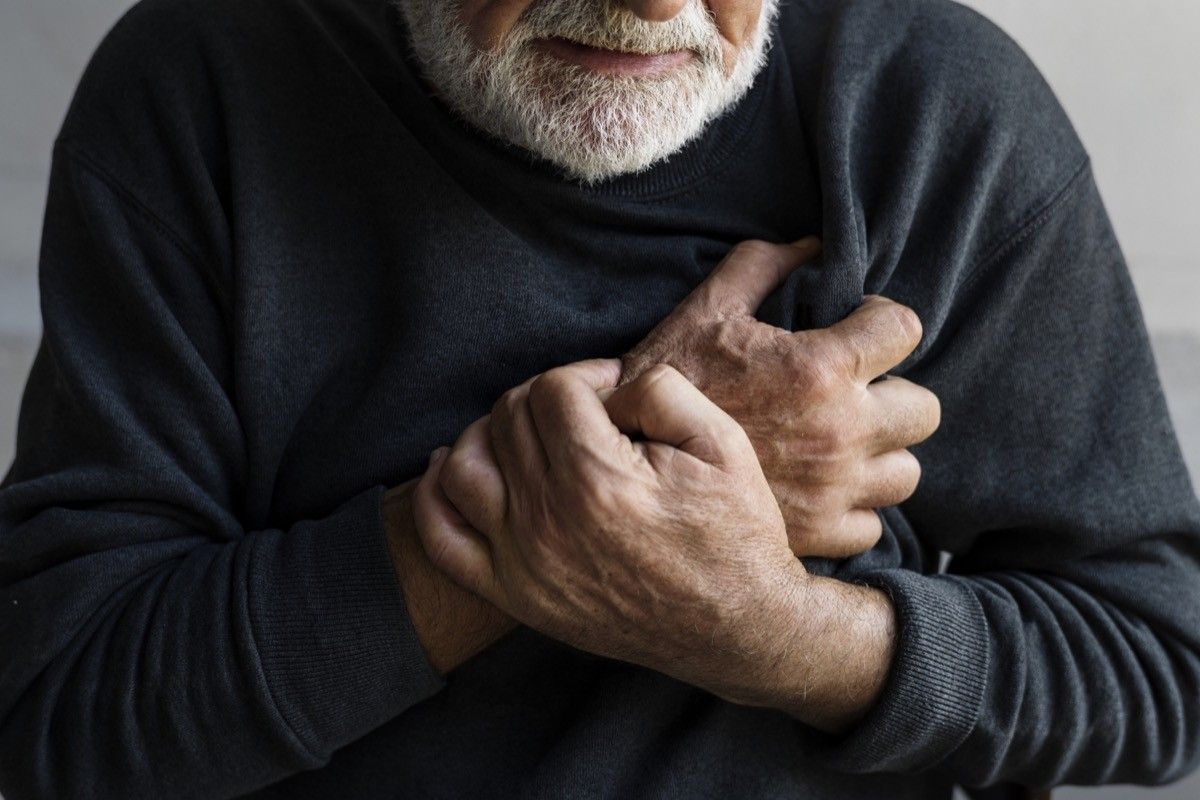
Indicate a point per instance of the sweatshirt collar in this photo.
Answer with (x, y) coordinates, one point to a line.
(459, 145)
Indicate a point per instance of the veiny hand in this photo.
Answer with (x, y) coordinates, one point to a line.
(832, 444)
(666, 550)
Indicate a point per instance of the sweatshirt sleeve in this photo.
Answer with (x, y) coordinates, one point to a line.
(153, 646)
(1063, 645)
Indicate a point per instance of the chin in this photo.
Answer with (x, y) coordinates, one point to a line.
(594, 126)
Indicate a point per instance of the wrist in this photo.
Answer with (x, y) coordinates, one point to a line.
(743, 663)
(827, 651)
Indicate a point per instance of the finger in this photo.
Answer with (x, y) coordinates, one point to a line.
(452, 545)
(663, 406)
(875, 337)
(750, 272)
(471, 479)
(857, 532)
(515, 441)
(888, 480)
(569, 414)
(599, 374)
(906, 414)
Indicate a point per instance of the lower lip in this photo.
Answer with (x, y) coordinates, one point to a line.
(612, 62)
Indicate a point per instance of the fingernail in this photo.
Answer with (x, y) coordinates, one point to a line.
(437, 455)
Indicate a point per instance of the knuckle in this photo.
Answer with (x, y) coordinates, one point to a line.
(824, 500)
(899, 482)
(438, 550)
(596, 497)
(934, 411)
(869, 534)
(542, 389)
(908, 321)
(728, 336)
(826, 464)
(507, 404)
(820, 370)
(459, 495)
(832, 438)
(912, 473)
(548, 387)
(453, 468)
(834, 457)
(794, 361)
(459, 478)
(831, 442)
(753, 248)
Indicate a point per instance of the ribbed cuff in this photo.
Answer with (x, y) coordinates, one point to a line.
(338, 651)
(934, 693)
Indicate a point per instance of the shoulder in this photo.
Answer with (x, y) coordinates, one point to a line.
(178, 90)
(930, 65)
(946, 62)
(179, 73)
(163, 57)
(148, 114)
(932, 118)
(155, 41)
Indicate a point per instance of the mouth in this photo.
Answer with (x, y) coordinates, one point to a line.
(613, 62)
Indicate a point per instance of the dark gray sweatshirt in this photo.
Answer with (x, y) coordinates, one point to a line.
(276, 274)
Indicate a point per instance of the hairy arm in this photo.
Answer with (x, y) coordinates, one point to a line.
(827, 653)
(452, 624)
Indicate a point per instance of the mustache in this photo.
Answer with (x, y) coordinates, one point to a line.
(610, 25)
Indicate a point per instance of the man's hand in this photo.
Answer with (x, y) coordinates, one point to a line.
(666, 549)
(831, 443)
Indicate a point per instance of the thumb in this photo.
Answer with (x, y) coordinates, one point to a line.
(601, 374)
(751, 271)
(663, 406)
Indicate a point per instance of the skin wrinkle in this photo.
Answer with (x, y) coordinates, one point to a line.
(809, 427)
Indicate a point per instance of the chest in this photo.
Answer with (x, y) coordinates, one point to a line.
(358, 358)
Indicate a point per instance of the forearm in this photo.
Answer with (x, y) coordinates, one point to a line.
(832, 649)
(181, 663)
(452, 624)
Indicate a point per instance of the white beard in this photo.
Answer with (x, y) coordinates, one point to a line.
(591, 125)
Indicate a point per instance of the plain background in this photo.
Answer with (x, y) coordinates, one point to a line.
(1126, 71)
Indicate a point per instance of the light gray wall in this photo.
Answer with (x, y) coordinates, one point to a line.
(1126, 71)
(44, 45)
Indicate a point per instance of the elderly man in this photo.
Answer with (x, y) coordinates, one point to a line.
(292, 247)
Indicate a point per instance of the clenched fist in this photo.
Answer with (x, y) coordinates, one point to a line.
(832, 443)
(633, 523)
